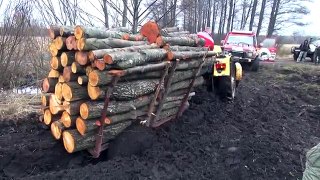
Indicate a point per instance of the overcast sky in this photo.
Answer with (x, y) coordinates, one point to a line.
(313, 19)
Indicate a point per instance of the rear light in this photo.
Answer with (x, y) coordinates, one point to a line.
(221, 66)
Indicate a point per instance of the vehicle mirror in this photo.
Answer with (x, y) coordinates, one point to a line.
(222, 42)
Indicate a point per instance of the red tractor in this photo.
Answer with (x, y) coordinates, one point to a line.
(242, 45)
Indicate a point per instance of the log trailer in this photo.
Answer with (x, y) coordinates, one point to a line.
(145, 79)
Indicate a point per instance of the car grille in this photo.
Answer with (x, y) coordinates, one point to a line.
(238, 54)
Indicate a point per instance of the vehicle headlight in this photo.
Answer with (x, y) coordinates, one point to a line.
(249, 54)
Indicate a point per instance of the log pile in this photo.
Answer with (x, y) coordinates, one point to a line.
(150, 76)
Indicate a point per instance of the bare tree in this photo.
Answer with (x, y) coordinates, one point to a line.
(253, 14)
(261, 15)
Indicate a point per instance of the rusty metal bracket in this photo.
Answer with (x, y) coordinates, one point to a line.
(154, 100)
(185, 98)
(154, 119)
(95, 152)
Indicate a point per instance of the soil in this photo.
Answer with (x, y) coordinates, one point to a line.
(263, 134)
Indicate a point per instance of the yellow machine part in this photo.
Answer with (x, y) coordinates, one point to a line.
(217, 49)
(226, 71)
(238, 71)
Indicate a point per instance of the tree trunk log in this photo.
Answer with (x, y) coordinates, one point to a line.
(60, 43)
(186, 48)
(66, 31)
(54, 31)
(58, 91)
(93, 32)
(68, 120)
(56, 129)
(61, 79)
(178, 34)
(100, 64)
(89, 69)
(195, 63)
(67, 58)
(95, 44)
(81, 58)
(185, 84)
(83, 80)
(93, 109)
(189, 54)
(55, 105)
(45, 99)
(53, 50)
(180, 41)
(76, 68)
(48, 85)
(86, 126)
(53, 74)
(150, 30)
(48, 117)
(72, 91)
(68, 75)
(71, 43)
(73, 108)
(98, 54)
(73, 141)
(56, 63)
(134, 37)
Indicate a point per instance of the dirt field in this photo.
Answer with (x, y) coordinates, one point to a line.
(264, 134)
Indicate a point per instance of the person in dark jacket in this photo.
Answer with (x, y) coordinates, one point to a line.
(304, 48)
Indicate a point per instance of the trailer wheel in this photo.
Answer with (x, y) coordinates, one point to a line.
(227, 84)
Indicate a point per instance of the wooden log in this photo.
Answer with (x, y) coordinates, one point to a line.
(53, 74)
(49, 117)
(73, 108)
(171, 105)
(94, 44)
(81, 58)
(93, 32)
(121, 29)
(72, 91)
(126, 60)
(67, 58)
(53, 50)
(170, 29)
(92, 109)
(71, 43)
(77, 68)
(185, 48)
(58, 91)
(68, 75)
(89, 69)
(186, 83)
(83, 80)
(66, 31)
(178, 34)
(180, 41)
(98, 54)
(56, 129)
(45, 99)
(55, 105)
(68, 120)
(95, 93)
(100, 64)
(189, 54)
(150, 30)
(56, 63)
(60, 43)
(168, 112)
(86, 126)
(48, 85)
(61, 79)
(134, 37)
(54, 31)
(73, 141)
(193, 64)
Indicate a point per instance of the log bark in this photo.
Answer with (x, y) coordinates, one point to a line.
(186, 83)
(53, 74)
(83, 80)
(71, 43)
(93, 32)
(54, 31)
(86, 126)
(189, 54)
(48, 85)
(180, 41)
(73, 108)
(185, 48)
(68, 75)
(76, 68)
(178, 34)
(98, 54)
(73, 141)
(45, 99)
(68, 120)
(170, 29)
(48, 117)
(167, 113)
(81, 58)
(56, 129)
(93, 109)
(134, 37)
(126, 60)
(58, 91)
(55, 105)
(66, 31)
(60, 43)
(72, 91)
(195, 63)
(94, 44)
(56, 63)
(140, 69)
(67, 58)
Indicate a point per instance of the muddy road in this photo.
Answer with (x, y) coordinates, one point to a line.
(263, 134)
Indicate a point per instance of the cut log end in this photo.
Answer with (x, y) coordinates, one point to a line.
(93, 78)
(53, 73)
(66, 119)
(107, 59)
(58, 91)
(159, 41)
(126, 36)
(68, 141)
(81, 43)
(56, 129)
(71, 43)
(81, 126)
(91, 56)
(78, 32)
(84, 110)
(66, 92)
(47, 118)
(82, 80)
(170, 55)
(100, 64)
(117, 73)
(64, 59)
(150, 30)
(59, 42)
(81, 58)
(94, 92)
(55, 64)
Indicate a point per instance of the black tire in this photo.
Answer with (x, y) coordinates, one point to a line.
(295, 57)
(317, 57)
(255, 65)
(226, 85)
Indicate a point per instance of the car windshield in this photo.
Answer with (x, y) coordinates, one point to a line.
(236, 39)
(268, 43)
(315, 42)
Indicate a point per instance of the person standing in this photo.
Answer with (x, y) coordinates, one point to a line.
(304, 48)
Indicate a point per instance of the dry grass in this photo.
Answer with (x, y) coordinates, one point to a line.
(15, 105)
(285, 49)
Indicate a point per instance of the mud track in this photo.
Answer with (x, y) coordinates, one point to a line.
(264, 134)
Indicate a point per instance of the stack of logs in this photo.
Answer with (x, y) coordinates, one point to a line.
(151, 73)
